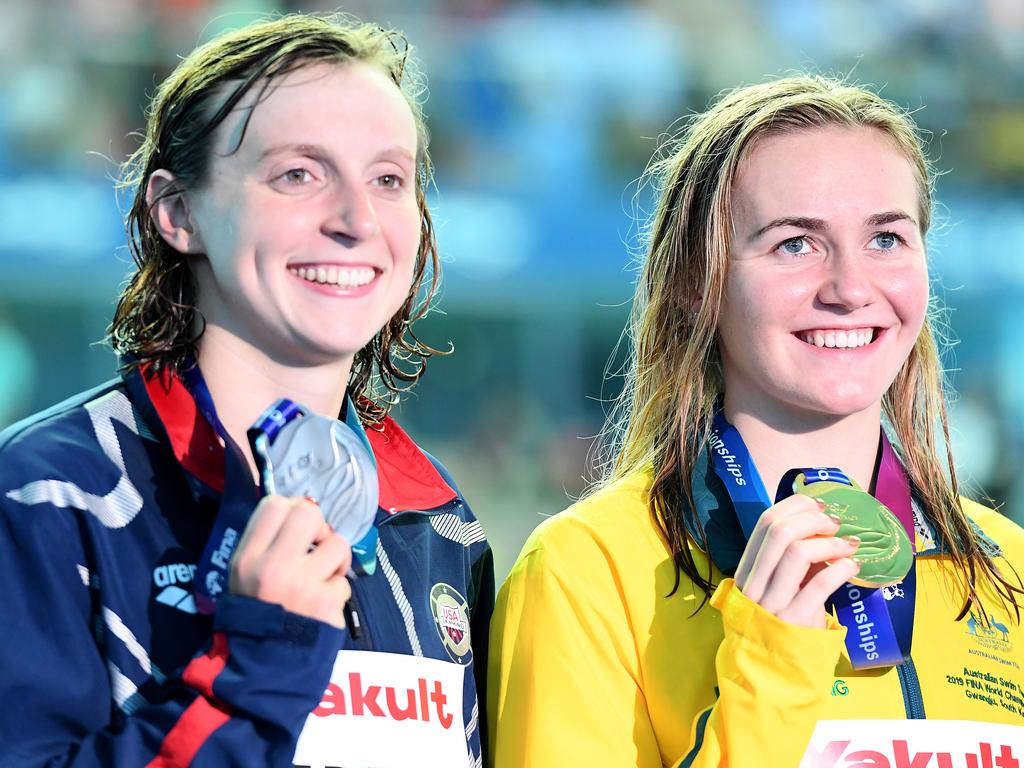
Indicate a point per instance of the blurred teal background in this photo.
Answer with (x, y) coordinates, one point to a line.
(542, 116)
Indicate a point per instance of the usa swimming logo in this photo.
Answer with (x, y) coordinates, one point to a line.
(451, 617)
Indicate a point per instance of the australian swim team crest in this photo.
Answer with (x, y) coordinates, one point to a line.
(992, 634)
(451, 616)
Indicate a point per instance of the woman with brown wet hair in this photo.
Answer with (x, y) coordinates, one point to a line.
(232, 555)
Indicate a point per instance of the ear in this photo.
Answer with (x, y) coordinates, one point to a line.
(169, 211)
(696, 302)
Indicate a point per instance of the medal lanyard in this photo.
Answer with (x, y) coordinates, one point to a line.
(879, 621)
(236, 505)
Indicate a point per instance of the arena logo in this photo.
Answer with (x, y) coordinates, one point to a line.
(899, 755)
(175, 583)
(356, 699)
(173, 573)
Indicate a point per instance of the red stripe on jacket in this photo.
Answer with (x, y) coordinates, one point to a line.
(203, 716)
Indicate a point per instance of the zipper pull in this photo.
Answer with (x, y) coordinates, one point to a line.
(355, 627)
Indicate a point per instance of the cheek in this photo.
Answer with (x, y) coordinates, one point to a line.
(909, 298)
(757, 300)
(403, 235)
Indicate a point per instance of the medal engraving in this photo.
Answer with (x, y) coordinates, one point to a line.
(885, 555)
(324, 460)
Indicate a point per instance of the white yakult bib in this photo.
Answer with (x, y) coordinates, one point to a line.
(914, 744)
(387, 710)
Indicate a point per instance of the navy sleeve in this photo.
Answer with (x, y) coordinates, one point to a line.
(242, 701)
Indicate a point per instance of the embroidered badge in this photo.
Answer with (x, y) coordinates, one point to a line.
(451, 616)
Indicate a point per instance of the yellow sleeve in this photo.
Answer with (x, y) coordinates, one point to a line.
(773, 681)
(563, 682)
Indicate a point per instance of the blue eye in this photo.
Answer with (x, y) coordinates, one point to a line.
(886, 241)
(795, 246)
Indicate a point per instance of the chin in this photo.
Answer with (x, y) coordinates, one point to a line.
(840, 404)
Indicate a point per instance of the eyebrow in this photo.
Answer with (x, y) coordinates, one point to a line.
(820, 225)
(889, 217)
(401, 152)
(317, 151)
(313, 150)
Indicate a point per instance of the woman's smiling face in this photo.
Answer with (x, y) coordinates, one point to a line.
(308, 229)
(827, 287)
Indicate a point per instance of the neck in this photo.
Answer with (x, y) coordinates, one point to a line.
(243, 381)
(849, 443)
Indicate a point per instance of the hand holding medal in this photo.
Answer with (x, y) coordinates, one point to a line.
(288, 555)
(319, 487)
(302, 454)
(884, 553)
(793, 561)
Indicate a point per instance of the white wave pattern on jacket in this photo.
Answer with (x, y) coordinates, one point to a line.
(118, 507)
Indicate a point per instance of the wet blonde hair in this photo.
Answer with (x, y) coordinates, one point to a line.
(662, 419)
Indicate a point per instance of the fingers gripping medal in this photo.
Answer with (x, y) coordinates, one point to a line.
(884, 555)
(300, 453)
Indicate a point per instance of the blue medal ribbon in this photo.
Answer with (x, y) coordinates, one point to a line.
(237, 502)
(879, 622)
(241, 495)
(735, 467)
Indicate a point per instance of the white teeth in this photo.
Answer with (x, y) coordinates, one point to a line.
(839, 339)
(343, 277)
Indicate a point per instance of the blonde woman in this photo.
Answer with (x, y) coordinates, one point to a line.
(688, 613)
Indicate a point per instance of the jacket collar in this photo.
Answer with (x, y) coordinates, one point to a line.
(407, 478)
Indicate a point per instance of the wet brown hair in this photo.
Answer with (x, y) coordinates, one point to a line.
(156, 324)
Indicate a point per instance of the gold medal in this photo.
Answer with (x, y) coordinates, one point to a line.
(884, 554)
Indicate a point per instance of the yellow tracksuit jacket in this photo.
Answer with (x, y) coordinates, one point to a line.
(592, 663)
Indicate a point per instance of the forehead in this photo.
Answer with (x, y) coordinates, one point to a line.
(346, 106)
(824, 173)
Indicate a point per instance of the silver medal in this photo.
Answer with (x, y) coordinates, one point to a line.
(326, 461)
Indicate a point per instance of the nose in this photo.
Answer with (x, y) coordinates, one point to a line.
(847, 281)
(354, 218)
